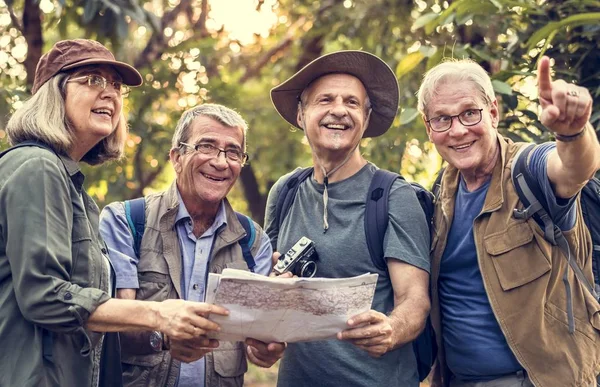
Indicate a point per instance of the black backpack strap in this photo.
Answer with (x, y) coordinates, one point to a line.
(135, 212)
(288, 193)
(377, 215)
(248, 240)
(529, 191)
(590, 207)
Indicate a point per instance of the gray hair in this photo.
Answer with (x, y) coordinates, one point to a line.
(454, 70)
(219, 113)
(43, 118)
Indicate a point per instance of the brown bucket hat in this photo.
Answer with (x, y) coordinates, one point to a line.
(376, 76)
(69, 54)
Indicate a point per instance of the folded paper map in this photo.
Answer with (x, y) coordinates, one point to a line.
(273, 309)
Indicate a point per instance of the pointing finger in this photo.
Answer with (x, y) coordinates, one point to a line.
(544, 79)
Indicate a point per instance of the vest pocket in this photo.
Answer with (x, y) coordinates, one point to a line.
(230, 362)
(517, 258)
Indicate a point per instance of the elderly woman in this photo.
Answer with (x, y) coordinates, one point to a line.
(55, 278)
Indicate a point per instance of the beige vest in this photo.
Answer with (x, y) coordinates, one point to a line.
(522, 274)
(159, 274)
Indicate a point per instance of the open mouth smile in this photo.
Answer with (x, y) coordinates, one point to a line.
(462, 147)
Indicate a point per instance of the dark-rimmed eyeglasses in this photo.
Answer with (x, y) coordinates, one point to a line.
(207, 149)
(442, 123)
(99, 82)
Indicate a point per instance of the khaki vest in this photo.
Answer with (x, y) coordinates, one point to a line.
(522, 274)
(159, 274)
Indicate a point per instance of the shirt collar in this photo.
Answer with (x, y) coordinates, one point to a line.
(73, 170)
(183, 214)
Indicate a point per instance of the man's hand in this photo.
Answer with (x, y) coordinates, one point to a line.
(275, 258)
(183, 320)
(264, 354)
(371, 331)
(566, 108)
(191, 350)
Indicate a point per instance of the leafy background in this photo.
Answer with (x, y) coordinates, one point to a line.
(233, 52)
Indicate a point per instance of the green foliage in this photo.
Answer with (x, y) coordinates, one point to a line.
(186, 61)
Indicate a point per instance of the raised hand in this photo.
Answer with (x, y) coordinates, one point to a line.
(566, 107)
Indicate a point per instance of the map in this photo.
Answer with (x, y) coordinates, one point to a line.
(273, 309)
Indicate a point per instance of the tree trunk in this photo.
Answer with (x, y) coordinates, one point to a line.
(256, 201)
(32, 31)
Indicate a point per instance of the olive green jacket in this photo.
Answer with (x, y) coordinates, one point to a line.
(53, 272)
(522, 274)
(159, 275)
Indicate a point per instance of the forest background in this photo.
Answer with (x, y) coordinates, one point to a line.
(232, 52)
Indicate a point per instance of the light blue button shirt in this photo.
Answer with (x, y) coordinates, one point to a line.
(196, 255)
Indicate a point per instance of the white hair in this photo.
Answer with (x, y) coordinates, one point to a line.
(454, 70)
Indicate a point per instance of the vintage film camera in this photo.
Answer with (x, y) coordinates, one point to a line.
(300, 260)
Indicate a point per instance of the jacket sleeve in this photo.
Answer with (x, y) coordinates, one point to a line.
(36, 205)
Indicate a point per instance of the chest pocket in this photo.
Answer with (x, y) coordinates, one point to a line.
(153, 276)
(516, 256)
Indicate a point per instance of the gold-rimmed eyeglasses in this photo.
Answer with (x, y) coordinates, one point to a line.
(99, 82)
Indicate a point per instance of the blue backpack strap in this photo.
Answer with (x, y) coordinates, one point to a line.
(377, 215)
(288, 193)
(247, 241)
(135, 212)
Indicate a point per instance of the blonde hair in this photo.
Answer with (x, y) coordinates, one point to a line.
(43, 118)
(454, 70)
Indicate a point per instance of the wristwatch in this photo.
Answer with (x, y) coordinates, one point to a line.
(156, 341)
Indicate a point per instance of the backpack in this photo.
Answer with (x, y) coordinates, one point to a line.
(528, 190)
(135, 212)
(376, 222)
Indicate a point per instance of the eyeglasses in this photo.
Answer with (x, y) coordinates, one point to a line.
(204, 148)
(99, 82)
(442, 123)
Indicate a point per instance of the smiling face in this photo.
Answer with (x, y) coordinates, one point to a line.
(92, 113)
(471, 149)
(333, 113)
(203, 180)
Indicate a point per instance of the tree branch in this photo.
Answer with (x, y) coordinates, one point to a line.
(157, 43)
(14, 19)
(254, 71)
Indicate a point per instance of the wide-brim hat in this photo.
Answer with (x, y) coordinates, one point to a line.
(376, 76)
(70, 54)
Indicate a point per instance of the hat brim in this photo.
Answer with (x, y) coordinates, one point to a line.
(376, 76)
(129, 75)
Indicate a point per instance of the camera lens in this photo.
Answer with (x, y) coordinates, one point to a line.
(308, 269)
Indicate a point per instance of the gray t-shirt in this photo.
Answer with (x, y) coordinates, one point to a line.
(343, 252)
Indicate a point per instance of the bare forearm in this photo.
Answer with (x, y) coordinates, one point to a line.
(408, 319)
(118, 315)
(577, 161)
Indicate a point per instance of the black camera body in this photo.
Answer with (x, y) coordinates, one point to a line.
(300, 260)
